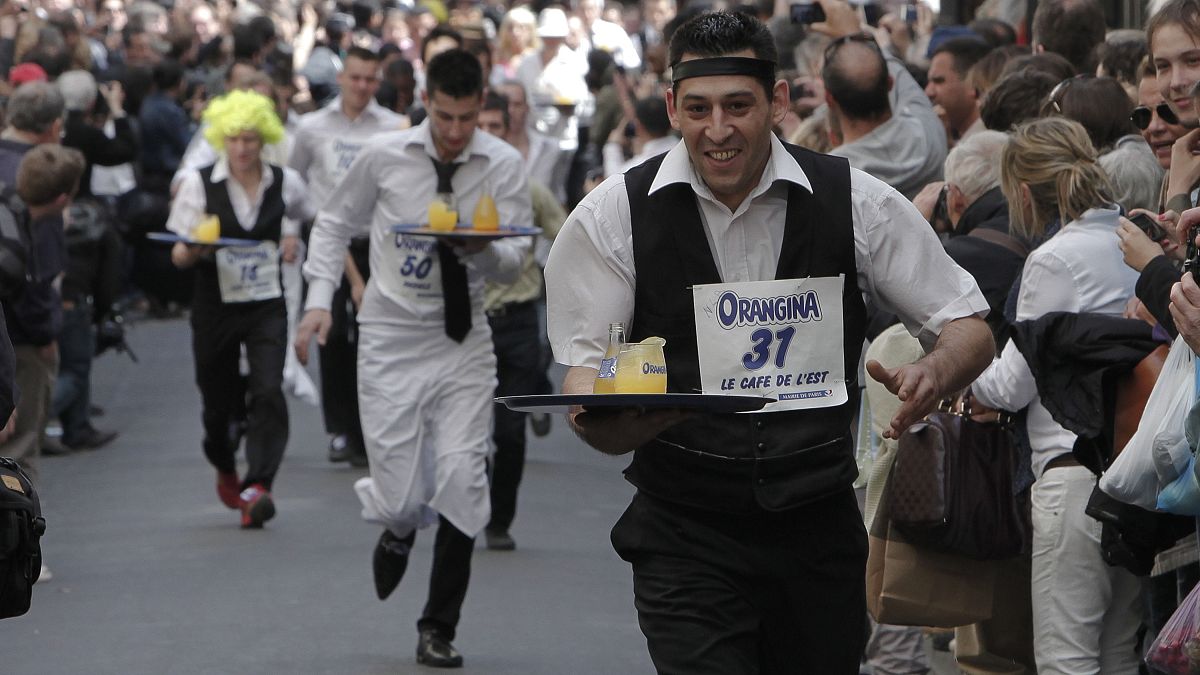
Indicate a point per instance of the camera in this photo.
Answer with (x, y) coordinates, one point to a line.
(908, 13)
(1146, 224)
(807, 13)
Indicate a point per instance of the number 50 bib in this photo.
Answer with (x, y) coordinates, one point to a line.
(249, 273)
(781, 339)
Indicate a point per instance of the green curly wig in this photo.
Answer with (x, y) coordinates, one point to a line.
(239, 111)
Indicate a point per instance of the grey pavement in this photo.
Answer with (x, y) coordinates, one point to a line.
(151, 574)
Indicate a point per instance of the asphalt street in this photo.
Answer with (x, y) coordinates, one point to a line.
(151, 574)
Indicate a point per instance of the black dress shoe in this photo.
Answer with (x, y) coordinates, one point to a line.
(540, 422)
(357, 459)
(339, 448)
(499, 540)
(90, 439)
(390, 561)
(436, 651)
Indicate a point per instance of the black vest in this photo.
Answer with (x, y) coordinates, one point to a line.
(269, 227)
(742, 463)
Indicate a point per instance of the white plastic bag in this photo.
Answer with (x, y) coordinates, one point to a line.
(1158, 451)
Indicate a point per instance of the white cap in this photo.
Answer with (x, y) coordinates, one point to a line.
(552, 23)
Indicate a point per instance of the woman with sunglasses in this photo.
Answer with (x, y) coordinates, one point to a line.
(1085, 613)
(1154, 118)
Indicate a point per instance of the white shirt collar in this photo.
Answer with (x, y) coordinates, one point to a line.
(677, 168)
(424, 138)
(220, 172)
(372, 109)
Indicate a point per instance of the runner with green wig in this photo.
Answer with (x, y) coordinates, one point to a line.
(240, 111)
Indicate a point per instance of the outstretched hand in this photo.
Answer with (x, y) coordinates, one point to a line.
(916, 387)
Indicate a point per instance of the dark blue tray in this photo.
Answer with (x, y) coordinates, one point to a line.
(466, 231)
(716, 403)
(171, 238)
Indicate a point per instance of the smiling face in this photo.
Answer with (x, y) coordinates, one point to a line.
(726, 122)
(1177, 63)
(359, 80)
(1159, 135)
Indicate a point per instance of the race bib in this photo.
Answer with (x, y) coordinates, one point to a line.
(412, 271)
(248, 273)
(781, 339)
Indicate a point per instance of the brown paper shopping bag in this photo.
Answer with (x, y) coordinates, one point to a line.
(912, 586)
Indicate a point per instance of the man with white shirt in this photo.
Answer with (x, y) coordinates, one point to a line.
(324, 145)
(607, 35)
(747, 546)
(238, 298)
(426, 370)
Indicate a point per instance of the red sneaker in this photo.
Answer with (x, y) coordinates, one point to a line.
(228, 485)
(257, 507)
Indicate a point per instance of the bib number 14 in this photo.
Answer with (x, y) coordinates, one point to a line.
(762, 341)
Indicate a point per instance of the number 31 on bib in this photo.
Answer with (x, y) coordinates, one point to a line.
(781, 339)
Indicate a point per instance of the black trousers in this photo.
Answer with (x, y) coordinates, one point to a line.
(339, 371)
(518, 355)
(218, 333)
(448, 579)
(764, 593)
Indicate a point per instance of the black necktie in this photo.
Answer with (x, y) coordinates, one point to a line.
(455, 293)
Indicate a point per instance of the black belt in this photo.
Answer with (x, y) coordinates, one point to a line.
(508, 308)
(1061, 462)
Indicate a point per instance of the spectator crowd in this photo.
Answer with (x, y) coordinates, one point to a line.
(1028, 135)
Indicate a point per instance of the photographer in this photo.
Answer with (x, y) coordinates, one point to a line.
(89, 291)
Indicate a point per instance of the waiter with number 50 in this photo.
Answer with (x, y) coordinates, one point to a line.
(756, 261)
(238, 298)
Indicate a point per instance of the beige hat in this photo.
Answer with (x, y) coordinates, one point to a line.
(552, 23)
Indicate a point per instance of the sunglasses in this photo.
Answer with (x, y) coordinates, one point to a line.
(1055, 99)
(863, 38)
(1142, 115)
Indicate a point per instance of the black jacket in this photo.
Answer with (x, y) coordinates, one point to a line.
(1076, 360)
(994, 267)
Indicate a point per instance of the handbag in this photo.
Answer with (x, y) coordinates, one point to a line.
(951, 486)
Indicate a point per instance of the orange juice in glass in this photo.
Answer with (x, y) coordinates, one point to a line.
(486, 217)
(443, 217)
(642, 368)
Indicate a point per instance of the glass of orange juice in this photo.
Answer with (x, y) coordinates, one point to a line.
(487, 218)
(443, 216)
(642, 368)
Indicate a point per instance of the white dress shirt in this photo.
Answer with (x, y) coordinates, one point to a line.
(327, 141)
(1078, 270)
(189, 205)
(613, 39)
(392, 182)
(590, 277)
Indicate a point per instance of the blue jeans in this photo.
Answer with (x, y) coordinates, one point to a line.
(72, 389)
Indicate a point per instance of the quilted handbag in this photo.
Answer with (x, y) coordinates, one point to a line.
(951, 486)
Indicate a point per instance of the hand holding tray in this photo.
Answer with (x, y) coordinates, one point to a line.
(561, 403)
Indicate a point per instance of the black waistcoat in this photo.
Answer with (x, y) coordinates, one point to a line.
(269, 227)
(742, 463)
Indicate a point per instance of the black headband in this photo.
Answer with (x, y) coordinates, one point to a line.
(724, 65)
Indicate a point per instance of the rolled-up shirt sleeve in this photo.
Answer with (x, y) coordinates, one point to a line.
(188, 206)
(347, 214)
(902, 266)
(590, 276)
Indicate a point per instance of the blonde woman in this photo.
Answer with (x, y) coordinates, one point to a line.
(238, 298)
(518, 38)
(1085, 613)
